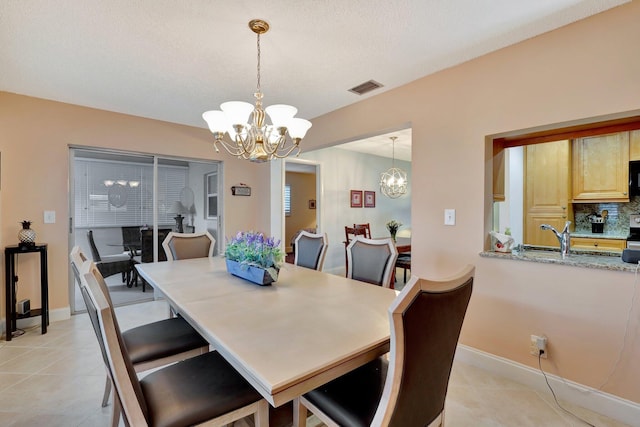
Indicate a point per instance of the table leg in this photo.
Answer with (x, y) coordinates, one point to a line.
(9, 295)
(44, 290)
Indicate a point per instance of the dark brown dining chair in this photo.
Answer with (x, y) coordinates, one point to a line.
(131, 239)
(409, 388)
(146, 251)
(404, 262)
(310, 250)
(205, 388)
(366, 227)
(150, 345)
(372, 260)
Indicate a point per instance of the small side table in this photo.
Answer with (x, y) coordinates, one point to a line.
(10, 254)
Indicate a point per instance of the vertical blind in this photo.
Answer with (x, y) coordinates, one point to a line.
(124, 203)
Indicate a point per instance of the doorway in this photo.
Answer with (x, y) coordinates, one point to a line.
(301, 204)
(127, 202)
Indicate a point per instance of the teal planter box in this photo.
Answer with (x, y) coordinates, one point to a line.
(253, 274)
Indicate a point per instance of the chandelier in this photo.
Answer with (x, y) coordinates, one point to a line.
(257, 141)
(393, 182)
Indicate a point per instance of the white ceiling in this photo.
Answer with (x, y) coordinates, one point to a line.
(172, 60)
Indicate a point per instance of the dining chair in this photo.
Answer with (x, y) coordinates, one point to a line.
(349, 234)
(150, 345)
(111, 264)
(404, 262)
(371, 260)
(366, 227)
(146, 252)
(204, 388)
(146, 235)
(131, 239)
(410, 386)
(310, 250)
(188, 245)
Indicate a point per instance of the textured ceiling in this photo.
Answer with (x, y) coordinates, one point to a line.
(171, 60)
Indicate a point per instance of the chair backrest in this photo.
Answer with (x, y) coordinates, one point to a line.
(426, 319)
(146, 254)
(371, 260)
(351, 232)
(92, 245)
(77, 258)
(188, 245)
(120, 368)
(131, 236)
(310, 250)
(366, 227)
(78, 262)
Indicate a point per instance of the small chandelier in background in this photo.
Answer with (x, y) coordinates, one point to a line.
(257, 141)
(122, 182)
(393, 182)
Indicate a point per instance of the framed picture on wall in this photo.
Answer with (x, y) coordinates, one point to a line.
(369, 199)
(356, 198)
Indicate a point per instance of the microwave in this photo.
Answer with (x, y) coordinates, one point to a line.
(634, 178)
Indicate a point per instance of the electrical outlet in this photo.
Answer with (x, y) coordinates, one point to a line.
(538, 343)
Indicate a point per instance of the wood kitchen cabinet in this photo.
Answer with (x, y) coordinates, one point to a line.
(499, 154)
(598, 244)
(634, 145)
(601, 168)
(547, 191)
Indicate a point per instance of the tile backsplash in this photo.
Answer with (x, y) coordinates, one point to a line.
(617, 220)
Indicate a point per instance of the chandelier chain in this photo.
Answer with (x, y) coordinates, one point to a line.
(258, 88)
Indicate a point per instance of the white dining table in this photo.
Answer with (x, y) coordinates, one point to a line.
(286, 339)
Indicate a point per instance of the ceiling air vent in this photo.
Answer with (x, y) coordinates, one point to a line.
(365, 87)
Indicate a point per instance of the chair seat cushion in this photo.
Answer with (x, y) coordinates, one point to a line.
(160, 339)
(352, 399)
(195, 390)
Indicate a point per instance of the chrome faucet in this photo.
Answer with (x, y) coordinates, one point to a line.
(563, 237)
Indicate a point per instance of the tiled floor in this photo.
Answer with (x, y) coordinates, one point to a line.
(57, 379)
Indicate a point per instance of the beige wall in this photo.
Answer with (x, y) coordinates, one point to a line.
(584, 70)
(35, 136)
(587, 69)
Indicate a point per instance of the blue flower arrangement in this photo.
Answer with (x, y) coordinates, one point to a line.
(250, 248)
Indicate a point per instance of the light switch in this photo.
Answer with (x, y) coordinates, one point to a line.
(449, 217)
(49, 217)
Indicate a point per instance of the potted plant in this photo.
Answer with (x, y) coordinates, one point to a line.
(254, 257)
(393, 227)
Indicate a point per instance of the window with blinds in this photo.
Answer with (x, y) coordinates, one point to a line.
(111, 193)
(287, 200)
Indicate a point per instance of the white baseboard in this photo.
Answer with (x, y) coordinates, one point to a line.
(598, 401)
(54, 316)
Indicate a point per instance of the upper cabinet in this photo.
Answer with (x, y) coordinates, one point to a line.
(634, 145)
(601, 168)
(498, 173)
(547, 191)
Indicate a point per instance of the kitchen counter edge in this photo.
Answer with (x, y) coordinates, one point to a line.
(599, 261)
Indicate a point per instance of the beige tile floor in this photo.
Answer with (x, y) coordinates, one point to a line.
(57, 379)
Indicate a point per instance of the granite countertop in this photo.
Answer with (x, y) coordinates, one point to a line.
(601, 260)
